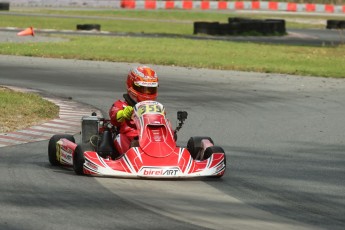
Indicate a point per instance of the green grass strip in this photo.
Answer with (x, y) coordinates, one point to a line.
(19, 110)
(314, 61)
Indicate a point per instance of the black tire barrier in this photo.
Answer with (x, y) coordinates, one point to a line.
(335, 24)
(279, 25)
(89, 27)
(4, 6)
(242, 26)
(342, 25)
(211, 28)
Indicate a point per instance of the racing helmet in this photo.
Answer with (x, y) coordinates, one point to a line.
(142, 84)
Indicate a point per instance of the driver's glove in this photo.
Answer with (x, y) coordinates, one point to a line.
(126, 113)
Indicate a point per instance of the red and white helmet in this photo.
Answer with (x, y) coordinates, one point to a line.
(142, 84)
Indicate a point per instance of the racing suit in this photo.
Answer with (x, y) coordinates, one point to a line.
(127, 131)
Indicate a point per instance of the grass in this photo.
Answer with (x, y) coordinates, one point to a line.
(314, 61)
(19, 110)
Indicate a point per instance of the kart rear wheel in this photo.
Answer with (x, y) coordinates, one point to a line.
(194, 146)
(78, 160)
(52, 147)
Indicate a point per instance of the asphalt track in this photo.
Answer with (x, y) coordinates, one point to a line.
(283, 136)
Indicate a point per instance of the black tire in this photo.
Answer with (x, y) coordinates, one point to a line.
(341, 24)
(200, 27)
(52, 147)
(280, 27)
(213, 28)
(194, 146)
(78, 160)
(224, 29)
(332, 24)
(210, 28)
(4, 6)
(268, 28)
(253, 27)
(89, 27)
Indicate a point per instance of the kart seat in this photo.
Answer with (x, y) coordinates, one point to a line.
(105, 147)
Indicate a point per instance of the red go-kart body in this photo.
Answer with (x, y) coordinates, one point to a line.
(154, 155)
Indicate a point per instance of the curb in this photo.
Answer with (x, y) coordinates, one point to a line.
(68, 122)
(232, 5)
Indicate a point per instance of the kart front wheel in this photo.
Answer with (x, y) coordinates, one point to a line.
(215, 149)
(194, 146)
(52, 151)
(78, 160)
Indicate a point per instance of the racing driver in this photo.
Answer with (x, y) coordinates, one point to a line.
(142, 85)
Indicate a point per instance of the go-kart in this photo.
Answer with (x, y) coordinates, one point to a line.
(153, 154)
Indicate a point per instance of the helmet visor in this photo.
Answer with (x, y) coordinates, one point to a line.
(145, 89)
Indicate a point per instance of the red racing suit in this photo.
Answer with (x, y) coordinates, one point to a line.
(127, 128)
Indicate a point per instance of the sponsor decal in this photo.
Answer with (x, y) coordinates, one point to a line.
(155, 171)
(66, 149)
(146, 84)
(66, 155)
